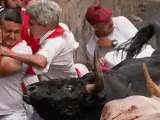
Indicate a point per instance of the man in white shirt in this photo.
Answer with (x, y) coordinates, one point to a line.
(57, 43)
(110, 33)
(12, 71)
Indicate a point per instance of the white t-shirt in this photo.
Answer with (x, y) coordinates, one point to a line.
(10, 87)
(59, 53)
(123, 31)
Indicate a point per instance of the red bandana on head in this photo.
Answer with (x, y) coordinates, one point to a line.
(98, 14)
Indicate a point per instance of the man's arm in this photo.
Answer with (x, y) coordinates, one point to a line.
(9, 66)
(40, 60)
(36, 60)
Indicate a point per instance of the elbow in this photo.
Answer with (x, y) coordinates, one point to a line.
(42, 62)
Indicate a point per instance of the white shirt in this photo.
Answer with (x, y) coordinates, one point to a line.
(123, 31)
(10, 87)
(59, 53)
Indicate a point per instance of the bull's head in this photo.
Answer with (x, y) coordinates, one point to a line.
(67, 98)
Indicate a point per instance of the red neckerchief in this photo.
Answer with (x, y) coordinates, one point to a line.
(58, 32)
(10, 47)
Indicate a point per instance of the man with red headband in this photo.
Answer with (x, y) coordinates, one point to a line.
(110, 32)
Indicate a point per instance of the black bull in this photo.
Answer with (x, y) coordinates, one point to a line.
(83, 99)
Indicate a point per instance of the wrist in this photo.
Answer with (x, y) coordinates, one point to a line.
(6, 53)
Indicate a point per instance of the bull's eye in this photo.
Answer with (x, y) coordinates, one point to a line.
(68, 87)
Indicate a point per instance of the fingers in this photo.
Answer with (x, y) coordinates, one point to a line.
(101, 43)
(104, 42)
(101, 60)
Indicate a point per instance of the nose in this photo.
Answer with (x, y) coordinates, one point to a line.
(12, 36)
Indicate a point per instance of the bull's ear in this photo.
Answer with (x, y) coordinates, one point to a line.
(152, 87)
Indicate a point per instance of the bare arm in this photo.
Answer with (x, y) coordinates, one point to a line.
(36, 60)
(43, 57)
(9, 66)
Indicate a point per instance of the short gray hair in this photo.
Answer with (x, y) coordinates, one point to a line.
(45, 12)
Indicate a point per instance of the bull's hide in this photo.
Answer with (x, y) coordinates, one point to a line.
(132, 108)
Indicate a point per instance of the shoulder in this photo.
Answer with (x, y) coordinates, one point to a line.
(64, 26)
(22, 47)
(120, 19)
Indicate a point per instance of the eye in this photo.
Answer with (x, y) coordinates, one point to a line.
(68, 87)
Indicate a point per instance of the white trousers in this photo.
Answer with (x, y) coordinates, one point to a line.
(22, 115)
(17, 115)
(112, 59)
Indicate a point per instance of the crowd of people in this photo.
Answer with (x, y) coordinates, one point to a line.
(35, 46)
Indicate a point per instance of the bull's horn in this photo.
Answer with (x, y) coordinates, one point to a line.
(98, 86)
(152, 87)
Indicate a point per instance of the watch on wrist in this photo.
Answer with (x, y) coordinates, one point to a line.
(114, 43)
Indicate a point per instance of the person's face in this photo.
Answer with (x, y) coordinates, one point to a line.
(104, 27)
(36, 30)
(16, 3)
(11, 32)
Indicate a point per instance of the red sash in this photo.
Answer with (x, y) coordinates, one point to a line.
(10, 47)
(31, 41)
(58, 32)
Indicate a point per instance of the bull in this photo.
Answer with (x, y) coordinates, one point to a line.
(83, 98)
